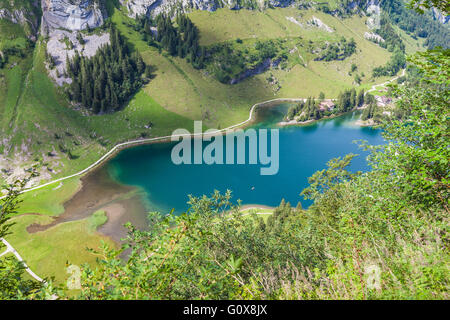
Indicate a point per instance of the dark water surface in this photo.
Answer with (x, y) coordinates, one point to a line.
(303, 150)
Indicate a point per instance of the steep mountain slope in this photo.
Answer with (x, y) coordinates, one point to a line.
(39, 125)
(155, 7)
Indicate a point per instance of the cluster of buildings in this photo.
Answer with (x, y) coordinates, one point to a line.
(327, 105)
(383, 101)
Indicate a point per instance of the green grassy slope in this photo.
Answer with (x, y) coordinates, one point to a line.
(37, 119)
(47, 252)
(200, 96)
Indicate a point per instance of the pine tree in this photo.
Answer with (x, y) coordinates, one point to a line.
(140, 65)
(366, 113)
(353, 98)
(360, 98)
(321, 96)
(76, 90)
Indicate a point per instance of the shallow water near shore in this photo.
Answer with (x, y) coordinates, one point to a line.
(302, 151)
(99, 192)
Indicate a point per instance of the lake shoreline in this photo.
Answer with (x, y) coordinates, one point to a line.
(164, 139)
(313, 121)
(101, 190)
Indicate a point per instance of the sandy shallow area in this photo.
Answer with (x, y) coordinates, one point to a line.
(121, 204)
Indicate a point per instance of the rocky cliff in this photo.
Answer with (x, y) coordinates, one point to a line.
(70, 15)
(24, 12)
(61, 21)
(154, 7)
(439, 16)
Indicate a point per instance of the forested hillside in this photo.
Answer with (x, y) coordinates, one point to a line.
(418, 25)
(105, 81)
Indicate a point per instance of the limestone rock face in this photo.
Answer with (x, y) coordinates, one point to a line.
(154, 7)
(16, 16)
(71, 14)
(56, 47)
(137, 7)
(373, 36)
(319, 24)
(374, 10)
(281, 3)
(24, 13)
(61, 21)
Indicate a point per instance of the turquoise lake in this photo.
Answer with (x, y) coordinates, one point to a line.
(302, 151)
